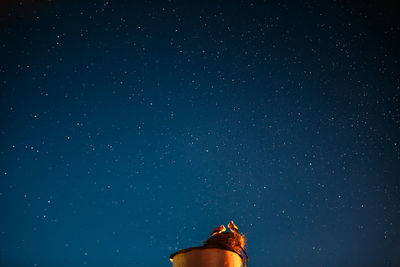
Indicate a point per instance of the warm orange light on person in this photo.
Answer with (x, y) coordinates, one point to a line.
(222, 249)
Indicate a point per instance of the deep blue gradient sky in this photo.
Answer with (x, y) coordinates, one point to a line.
(130, 129)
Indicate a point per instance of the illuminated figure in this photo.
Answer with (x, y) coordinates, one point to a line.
(222, 249)
(218, 230)
(233, 227)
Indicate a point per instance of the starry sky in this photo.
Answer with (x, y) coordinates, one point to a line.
(130, 129)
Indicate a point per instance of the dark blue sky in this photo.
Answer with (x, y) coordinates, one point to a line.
(129, 130)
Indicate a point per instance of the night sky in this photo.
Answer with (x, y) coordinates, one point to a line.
(130, 129)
